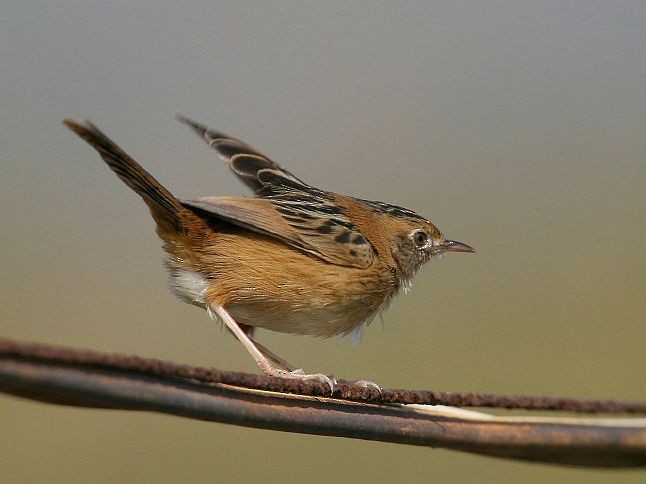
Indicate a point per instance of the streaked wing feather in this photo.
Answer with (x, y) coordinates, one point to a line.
(254, 214)
(322, 223)
(244, 160)
(286, 208)
(305, 221)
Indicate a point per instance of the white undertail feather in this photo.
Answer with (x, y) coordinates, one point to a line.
(189, 286)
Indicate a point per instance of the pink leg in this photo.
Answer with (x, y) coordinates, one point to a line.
(263, 361)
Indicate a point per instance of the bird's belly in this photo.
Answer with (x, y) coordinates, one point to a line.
(270, 285)
(317, 318)
(305, 302)
(299, 308)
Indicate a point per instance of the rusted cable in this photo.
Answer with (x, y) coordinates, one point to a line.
(149, 366)
(88, 379)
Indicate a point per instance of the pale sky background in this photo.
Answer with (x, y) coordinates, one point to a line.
(516, 127)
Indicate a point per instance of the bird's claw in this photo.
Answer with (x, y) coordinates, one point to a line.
(362, 384)
(299, 374)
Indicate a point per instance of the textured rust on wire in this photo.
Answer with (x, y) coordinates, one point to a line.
(92, 359)
(598, 442)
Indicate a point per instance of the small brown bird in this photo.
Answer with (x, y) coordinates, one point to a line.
(293, 258)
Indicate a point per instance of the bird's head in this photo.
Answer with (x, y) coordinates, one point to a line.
(414, 240)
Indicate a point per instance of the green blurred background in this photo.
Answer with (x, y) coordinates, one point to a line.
(516, 127)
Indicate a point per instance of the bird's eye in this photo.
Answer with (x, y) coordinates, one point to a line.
(420, 238)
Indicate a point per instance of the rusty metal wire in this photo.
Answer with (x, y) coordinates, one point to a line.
(96, 380)
(149, 366)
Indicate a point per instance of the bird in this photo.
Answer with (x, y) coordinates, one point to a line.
(292, 258)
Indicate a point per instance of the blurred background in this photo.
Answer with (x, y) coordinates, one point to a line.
(516, 127)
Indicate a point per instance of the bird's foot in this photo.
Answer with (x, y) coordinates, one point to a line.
(299, 374)
(362, 384)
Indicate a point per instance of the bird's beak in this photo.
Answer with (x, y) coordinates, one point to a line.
(455, 246)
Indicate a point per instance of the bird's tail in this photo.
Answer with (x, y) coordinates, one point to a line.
(167, 210)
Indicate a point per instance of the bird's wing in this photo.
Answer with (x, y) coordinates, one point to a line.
(244, 160)
(286, 208)
(311, 223)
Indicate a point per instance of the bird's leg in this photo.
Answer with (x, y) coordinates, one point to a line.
(286, 365)
(268, 362)
(280, 362)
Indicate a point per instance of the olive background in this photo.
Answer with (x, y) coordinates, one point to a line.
(516, 127)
